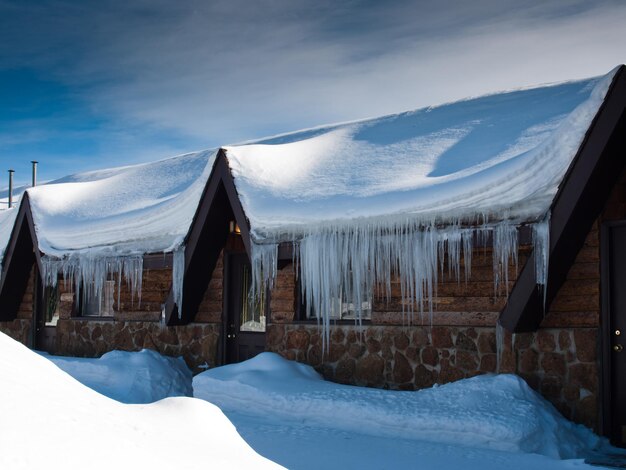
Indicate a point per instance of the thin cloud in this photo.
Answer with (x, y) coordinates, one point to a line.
(212, 73)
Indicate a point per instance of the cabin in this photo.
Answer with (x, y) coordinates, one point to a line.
(481, 236)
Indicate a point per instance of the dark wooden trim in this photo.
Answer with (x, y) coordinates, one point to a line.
(579, 200)
(605, 356)
(21, 254)
(606, 417)
(206, 237)
(235, 203)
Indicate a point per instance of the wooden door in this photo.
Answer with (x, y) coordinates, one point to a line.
(614, 354)
(45, 306)
(245, 317)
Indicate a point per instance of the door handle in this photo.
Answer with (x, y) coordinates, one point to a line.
(618, 348)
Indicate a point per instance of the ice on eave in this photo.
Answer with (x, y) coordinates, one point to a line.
(95, 225)
(368, 200)
(502, 155)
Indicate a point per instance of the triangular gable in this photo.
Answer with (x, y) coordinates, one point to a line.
(579, 200)
(21, 253)
(207, 236)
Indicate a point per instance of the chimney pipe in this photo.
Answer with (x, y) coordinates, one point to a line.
(34, 162)
(11, 188)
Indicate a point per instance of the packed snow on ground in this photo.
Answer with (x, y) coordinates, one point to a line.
(501, 155)
(49, 420)
(130, 377)
(288, 413)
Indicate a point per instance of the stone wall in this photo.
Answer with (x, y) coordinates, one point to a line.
(196, 342)
(18, 329)
(559, 363)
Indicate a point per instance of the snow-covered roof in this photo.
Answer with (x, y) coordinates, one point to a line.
(501, 156)
(7, 219)
(129, 210)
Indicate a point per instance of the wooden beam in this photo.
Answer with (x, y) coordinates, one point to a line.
(579, 201)
(21, 253)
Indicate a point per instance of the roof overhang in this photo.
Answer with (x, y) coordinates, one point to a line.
(20, 255)
(580, 198)
(207, 236)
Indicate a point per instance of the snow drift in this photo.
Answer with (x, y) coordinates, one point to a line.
(497, 412)
(49, 420)
(130, 377)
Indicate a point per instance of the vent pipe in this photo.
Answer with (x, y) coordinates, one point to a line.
(34, 162)
(11, 188)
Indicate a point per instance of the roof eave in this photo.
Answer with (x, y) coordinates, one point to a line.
(577, 204)
(21, 253)
(207, 235)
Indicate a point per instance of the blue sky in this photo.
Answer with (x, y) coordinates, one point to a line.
(94, 84)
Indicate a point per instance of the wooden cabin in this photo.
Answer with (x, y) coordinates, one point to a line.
(562, 334)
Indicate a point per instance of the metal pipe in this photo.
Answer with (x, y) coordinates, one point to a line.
(34, 162)
(11, 188)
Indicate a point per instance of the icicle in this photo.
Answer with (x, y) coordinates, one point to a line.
(467, 237)
(541, 251)
(88, 274)
(499, 345)
(264, 267)
(178, 274)
(505, 248)
(344, 264)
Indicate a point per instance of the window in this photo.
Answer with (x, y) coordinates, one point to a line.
(52, 306)
(252, 315)
(100, 305)
(341, 308)
(344, 310)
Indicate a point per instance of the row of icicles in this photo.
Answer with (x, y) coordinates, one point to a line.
(343, 262)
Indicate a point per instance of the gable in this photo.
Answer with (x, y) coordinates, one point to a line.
(581, 196)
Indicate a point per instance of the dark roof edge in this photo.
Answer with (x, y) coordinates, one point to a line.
(580, 198)
(220, 182)
(13, 260)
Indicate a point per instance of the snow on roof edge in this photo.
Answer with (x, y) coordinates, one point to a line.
(266, 227)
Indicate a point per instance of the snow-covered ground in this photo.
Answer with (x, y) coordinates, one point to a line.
(289, 414)
(130, 377)
(48, 420)
(284, 410)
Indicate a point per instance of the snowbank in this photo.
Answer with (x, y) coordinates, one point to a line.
(130, 377)
(49, 420)
(498, 412)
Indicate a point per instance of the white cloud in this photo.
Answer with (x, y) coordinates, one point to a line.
(230, 70)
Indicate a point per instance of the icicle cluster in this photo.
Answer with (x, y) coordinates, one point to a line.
(178, 274)
(541, 241)
(264, 265)
(505, 244)
(352, 262)
(88, 274)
